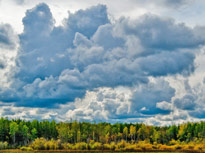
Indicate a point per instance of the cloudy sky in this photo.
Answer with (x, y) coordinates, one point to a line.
(113, 61)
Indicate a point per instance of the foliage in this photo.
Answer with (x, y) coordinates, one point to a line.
(3, 145)
(26, 148)
(49, 135)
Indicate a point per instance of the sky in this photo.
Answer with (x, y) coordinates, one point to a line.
(103, 61)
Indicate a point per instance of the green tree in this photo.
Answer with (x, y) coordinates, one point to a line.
(34, 134)
(13, 130)
(63, 132)
(25, 133)
(142, 133)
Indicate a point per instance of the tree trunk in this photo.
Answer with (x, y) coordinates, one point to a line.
(14, 138)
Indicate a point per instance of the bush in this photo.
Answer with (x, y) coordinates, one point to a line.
(178, 147)
(70, 146)
(53, 145)
(146, 147)
(4, 145)
(67, 146)
(188, 147)
(167, 148)
(172, 142)
(132, 147)
(81, 146)
(95, 146)
(112, 146)
(122, 144)
(39, 144)
(26, 149)
(43, 144)
(198, 147)
(107, 146)
(155, 147)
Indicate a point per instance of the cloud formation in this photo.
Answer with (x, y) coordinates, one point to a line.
(58, 64)
(84, 64)
(148, 98)
(8, 38)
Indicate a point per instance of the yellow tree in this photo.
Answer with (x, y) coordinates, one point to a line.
(107, 133)
(78, 136)
(132, 132)
(181, 134)
(125, 132)
(142, 132)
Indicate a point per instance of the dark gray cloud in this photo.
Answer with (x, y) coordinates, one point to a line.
(167, 63)
(2, 64)
(188, 102)
(160, 33)
(146, 97)
(55, 65)
(176, 3)
(7, 37)
(173, 4)
(193, 100)
(198, 113)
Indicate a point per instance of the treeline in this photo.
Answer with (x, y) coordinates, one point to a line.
(15, 133)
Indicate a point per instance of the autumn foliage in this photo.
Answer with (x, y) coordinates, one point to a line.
(73, 135)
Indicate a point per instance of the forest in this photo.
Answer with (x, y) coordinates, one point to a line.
(74, 135)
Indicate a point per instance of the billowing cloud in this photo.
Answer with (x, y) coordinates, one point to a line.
(164, 105)
(86, 63)
(8, 38)
(167, 63)
(102, 104)
(146, 98)
(58, 64)
(186, 103)
(44, 46)
(193, 100)
(159, 33)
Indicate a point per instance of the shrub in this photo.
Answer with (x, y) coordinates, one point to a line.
(53, 144)
(112, 146)
(81, 146)
(188, 147)
(132, 147)
(96, 146)
(172, 142)
(107, 146)
(154, 146)
(70, 146)
(39, 144)
(43, 144)
(146, 147)
(4, 145)
(198, 147)
(121, 144)
(67, 146)
(26, 148)
(167, 148)
(178, 147)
